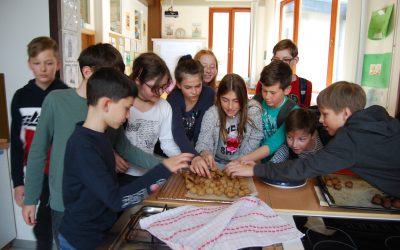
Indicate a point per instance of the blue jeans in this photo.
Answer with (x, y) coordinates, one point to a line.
(56, 218)
(64, 244)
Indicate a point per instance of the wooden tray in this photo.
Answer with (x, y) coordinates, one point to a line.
(174, 189)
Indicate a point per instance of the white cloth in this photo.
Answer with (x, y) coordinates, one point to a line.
(247, 222)
(145, 128)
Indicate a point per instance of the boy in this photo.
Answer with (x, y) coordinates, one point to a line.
(43, 61)
(275, 79)
(91, 193)
(302, 138)
(61, 110)
(366, 141)
(286, 51)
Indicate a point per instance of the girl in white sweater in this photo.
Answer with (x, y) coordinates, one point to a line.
(150, 116)
(229, 129)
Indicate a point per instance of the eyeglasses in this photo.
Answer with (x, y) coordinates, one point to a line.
(166, 88)
(285, 60)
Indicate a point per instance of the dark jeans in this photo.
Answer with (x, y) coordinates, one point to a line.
(56, 218)
(64, 244)
(42, 230)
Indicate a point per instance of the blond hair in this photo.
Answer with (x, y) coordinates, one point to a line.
(199, 54)
(341, 95)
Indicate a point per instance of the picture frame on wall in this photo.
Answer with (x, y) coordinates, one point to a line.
(138, 24)
(128, 18)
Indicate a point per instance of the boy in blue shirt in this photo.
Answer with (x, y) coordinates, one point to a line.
(91, 193)
(275, 79)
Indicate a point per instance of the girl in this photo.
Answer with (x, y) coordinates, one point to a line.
(302, 137)
(210, 65)
(189, 101)
(230, 129)
(150, 117)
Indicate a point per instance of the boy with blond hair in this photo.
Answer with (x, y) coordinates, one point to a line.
(43, 61)
(366, 141)
(286, 51)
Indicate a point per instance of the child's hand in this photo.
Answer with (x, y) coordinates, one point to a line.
(209, 159)
(29, 214)
(240, 168)
(121, 166)
(177, 162)
(19, 193)
(200, 167)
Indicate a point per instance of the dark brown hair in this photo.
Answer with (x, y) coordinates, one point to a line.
(301, 119)
(40, 44)
(341, 95)
(235, 83)
(276, 72)
(101, 55)
(286, 44)
(148, 66)
(190, 67)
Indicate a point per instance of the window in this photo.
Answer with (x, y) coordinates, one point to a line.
(229, 37)
(317, 27)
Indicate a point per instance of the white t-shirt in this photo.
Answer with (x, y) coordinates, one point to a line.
(145, 128)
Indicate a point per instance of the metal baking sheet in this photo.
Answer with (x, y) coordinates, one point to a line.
(357, 197)
(174, 189)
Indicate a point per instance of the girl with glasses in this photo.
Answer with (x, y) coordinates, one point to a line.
(150, 116)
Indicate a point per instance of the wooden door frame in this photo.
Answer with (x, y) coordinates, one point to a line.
(332, 34)
(231, 32)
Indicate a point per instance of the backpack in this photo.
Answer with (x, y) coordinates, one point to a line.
(283, 113)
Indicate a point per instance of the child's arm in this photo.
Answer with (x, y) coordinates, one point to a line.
(178, 131)
(254, 132)
(167, 142)
(17, 151)
(39, 152)
(134, 154)
(208, 125)
(256, 155)
(281, 155)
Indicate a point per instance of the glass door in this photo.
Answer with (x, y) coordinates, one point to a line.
(229, 39)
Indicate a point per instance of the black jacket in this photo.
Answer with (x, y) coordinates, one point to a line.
(25, 111)
(368, 144)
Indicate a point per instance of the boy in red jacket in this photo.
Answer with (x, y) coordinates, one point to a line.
(286, 51)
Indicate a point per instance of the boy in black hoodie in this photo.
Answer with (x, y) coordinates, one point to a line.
(366, 141)
(26, 105)
(91, 193)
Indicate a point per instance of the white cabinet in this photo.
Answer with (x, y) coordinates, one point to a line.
(172, 49)
(7, 222)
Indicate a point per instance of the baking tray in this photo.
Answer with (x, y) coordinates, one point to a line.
(357, 197)
(174, 189)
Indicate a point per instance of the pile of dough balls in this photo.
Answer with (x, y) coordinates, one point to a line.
(385, 201)
(336, 183)
(219, 184)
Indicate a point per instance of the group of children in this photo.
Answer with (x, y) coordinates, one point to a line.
(110, 124)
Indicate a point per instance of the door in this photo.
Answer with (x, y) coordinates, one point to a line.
(229, 38)
(7, 228)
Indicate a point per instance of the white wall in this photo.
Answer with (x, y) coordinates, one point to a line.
(25, 19)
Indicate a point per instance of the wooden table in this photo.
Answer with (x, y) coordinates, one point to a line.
(298, 201)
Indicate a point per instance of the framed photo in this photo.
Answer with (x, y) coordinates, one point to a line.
(70, 46)
(138, 24)
(128, 17)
